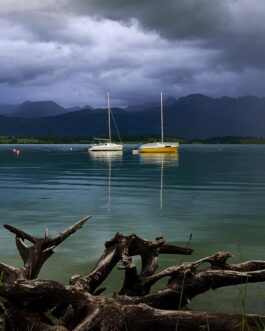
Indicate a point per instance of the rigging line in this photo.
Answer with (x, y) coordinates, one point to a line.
(97, 124)
(115, 125)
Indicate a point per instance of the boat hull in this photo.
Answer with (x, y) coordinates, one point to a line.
(158, 147)
(158, 150)
(108, 147)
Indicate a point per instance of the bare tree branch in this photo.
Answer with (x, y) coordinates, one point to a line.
(36, 255)
(20, 234)
(55, 241)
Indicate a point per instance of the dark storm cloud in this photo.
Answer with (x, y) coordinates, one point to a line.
(186, 19)
(73, 51)
(235, 26)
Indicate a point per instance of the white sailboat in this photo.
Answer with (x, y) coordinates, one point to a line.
(106, 144)
(160, 147)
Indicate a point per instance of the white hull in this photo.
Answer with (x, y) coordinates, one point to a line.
(105, 147)
(159, 145)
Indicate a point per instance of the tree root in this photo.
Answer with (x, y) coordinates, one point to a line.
(30, 304)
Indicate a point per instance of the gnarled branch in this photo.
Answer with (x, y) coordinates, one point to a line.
(121, 248)
(48, 305)
(36, 255)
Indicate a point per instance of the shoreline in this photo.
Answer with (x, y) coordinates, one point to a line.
(134, 140)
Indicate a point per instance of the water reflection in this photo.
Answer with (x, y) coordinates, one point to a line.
(163, 160)
(158, 158)
(107, 157)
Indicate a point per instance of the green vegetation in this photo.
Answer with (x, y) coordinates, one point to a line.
(234, 140)
(45, 140)
(129, 140)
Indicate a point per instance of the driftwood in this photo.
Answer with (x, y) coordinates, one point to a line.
(30, 304)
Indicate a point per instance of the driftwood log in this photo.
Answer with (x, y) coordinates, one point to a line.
(30, 304)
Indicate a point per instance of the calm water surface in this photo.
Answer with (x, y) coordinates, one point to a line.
(215, 192)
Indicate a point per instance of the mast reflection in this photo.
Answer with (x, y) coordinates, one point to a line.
(107, 157)
(164, 160)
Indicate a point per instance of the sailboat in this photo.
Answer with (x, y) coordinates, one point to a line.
(160, 147)
(106, 144)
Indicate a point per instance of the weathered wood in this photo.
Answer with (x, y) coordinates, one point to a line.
(156, 320)
(30, 304)
(36, 255)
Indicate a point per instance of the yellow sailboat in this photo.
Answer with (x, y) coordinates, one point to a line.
(160, 147)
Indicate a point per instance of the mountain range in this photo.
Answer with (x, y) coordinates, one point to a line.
(36, 109)
(192, 116)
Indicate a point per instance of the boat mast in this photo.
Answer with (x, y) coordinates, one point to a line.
(162, 122)
(109, 119)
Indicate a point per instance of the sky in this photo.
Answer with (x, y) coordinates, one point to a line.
(74, 51)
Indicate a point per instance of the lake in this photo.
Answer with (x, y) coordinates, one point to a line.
(215, 192)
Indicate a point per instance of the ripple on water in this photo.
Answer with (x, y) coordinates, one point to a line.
(215, 192)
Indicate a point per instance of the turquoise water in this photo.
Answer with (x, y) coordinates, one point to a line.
(215, 192)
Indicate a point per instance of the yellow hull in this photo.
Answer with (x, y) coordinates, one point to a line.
(159, 150)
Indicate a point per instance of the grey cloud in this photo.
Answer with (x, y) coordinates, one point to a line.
(228, 25)
(186, 19)
(73, 51)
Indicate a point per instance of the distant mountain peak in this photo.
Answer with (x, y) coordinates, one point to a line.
(195, 96)
(170, 100)
(32, 109)
(87, 107)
